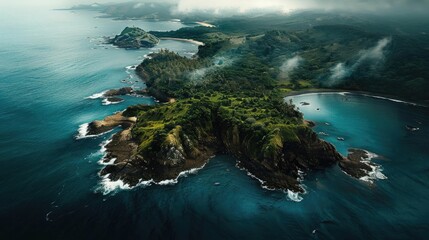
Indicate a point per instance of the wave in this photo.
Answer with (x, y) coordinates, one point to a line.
(376, 169)
(47, 217)
(103, 151)
(294, 196)
(83, 132)
(131, 67)
(106, 102)
(290, 194)
(108, 186)
(96, 95)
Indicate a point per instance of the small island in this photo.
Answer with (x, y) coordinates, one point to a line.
(134, 38)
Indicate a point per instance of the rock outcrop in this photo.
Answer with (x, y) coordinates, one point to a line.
(109, 123)
(134, 38)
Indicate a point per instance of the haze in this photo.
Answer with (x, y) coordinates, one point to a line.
(394, 6)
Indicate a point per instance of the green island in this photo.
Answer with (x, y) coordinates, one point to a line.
(229, 97)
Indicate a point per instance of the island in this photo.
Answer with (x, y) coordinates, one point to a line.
(134, 38)
(228, 98)
(248, 119)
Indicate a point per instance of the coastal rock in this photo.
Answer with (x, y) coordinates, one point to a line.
(109, 123)
(112, 93)
(356, 164)
(118, 92)
(277, 160)
(134, 38)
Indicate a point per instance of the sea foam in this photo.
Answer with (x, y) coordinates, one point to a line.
(108, 186)
(83, 132)
(376, 170)
(106, 102)
(96, 95)
(294, 196)
(290, 194)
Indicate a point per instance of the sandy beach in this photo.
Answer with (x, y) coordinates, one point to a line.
(184, 40)
(362, 93)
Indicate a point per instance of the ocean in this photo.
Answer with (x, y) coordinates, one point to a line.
(52, 66)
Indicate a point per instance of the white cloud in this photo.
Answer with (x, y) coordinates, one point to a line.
(289, 65)
(375, 55)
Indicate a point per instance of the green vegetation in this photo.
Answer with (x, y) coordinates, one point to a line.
(256, 130)
(259, 49)
(229, 97)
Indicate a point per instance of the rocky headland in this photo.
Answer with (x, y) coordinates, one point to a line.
(159, 142)
(134, 38)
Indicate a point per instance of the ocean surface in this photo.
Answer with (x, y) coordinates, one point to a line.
(52, 61)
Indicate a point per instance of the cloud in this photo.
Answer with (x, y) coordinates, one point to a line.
(354, 5)
(375, 55)
(219, 62)
(247, 5)
(339, 72)
(289, 65)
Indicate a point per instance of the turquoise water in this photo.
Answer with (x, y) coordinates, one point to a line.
(51, 61)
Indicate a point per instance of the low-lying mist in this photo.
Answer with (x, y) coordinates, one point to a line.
(374, 56)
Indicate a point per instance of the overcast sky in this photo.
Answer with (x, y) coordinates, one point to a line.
(245, 5)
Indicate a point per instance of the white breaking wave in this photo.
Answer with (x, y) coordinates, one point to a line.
(294, 196)
(103, 151)
(132, 67)
(83, 132)
(290, 194)
(106, 102)
(253, 176)
(374, 174)
(107, 185)
(96, 95)
(376, 170)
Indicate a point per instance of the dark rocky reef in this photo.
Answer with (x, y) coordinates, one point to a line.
(123, 91)
(118, 92)
(355, 164)
(114, 99)
(134, 38)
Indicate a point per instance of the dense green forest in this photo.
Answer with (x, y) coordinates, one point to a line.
(261, 50)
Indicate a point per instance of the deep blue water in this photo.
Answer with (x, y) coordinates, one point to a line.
(51, 61)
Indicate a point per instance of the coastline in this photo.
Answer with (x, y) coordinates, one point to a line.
(387, 97)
